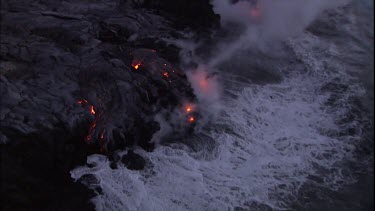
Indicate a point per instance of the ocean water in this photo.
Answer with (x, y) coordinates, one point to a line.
(293, 131)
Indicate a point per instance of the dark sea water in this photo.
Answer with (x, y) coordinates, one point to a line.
(360, 194)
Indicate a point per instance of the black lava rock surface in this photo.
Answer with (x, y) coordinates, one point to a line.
(69, 88)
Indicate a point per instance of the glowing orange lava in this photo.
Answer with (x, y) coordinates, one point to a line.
(92, 111)
(137, 66)
(191, 119)
(81, 101)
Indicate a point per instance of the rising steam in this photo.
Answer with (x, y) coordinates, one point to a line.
(276, 20)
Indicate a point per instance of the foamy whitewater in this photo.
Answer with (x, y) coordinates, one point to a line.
(273, 139)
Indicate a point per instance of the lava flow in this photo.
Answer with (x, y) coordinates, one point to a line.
(91, 131)
(189, 108)
(191, 119)
(91, 107)
(148, 59)
(137, 66)
(92, 126)
(82, 101)
(92, 110)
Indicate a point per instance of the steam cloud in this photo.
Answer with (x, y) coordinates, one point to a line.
(279, 17)
(280, 20)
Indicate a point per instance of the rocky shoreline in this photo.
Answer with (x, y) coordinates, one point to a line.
(75, 81)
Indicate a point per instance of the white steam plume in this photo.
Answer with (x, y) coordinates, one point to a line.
(278, 20)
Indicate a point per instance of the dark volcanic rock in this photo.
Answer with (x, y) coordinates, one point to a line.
(68, 90)
(52, 60)
(113, 33)
(197, 15)
(89, 180)
(35, 171)
(114, 157)
(133, 161)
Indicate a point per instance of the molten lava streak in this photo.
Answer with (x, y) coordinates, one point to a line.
(91, 131)
(191, 119)
(81, 101)
(92, 110)
(136, 66)
(91, 134)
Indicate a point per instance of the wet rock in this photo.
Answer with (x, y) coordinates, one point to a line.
(114, 158)
(133, 161)
(113, 165)
(89, 180)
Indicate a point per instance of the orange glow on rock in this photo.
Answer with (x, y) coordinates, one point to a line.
(191, 119)
(189, 107)
(92, 110)
(137, 66)
(81, 101)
